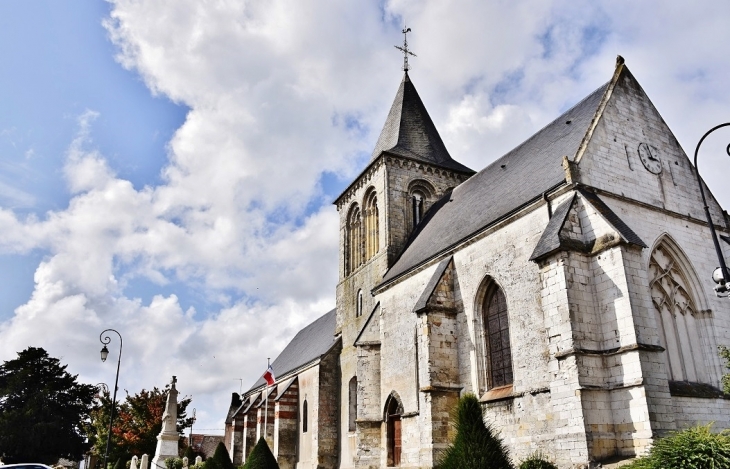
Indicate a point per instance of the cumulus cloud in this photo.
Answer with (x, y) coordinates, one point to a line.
(281, 93)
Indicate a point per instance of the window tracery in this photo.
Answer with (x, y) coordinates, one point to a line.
(353, 240)
(677, 316)
(372, 228)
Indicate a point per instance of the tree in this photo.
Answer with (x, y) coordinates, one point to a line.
(137, 422)
(725, 354)
(42, 409)
(261, 457)
(476, 445)
(221, 457)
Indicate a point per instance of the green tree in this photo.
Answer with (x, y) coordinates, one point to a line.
(221, 457)
(476, 445)
(137, 422)
(42, 409)
(261, 457)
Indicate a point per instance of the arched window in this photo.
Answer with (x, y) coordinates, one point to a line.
(417, 200)
(305, 414)
(353, 240)
(677, 316)
(358, 306)
(393, 413)
(352, 417)
(420, 193)
(496, 335)
(372, 229)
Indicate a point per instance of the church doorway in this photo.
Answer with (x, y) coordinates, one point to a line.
(393, 412)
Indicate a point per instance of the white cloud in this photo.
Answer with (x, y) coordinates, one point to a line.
(280, 92)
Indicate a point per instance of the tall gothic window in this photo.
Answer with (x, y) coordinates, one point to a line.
(353, 240)
(352, 417)
(496, 334)
(678, 320)
(372, 229)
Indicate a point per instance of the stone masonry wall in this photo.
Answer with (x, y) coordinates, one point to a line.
(286, 427)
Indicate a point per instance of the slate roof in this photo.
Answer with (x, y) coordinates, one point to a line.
(410, 132)
(550, 240)
(308, 345)
(518, 177)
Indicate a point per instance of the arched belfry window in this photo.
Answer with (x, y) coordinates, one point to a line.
(354, 255)
(679, 322)
(372, 228)
(497, 347)
(420, 194)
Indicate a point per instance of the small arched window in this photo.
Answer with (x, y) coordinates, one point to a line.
(496, 333)
(358, 306)
(352, 417)
(353, 240)
(417, 200)
(305, 414)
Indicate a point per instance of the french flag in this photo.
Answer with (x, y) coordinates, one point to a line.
(269, 376)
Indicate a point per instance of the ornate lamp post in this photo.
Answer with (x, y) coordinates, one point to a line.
(105, 340)
(721, 276)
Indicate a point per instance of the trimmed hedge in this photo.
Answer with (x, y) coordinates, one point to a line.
(261, 457)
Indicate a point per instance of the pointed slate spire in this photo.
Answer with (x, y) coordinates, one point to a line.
(410, 132)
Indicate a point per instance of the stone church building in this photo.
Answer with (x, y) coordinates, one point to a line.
(567, 285)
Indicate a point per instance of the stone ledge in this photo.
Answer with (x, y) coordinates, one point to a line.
(442, 388)
(611, 351)
(700, 390)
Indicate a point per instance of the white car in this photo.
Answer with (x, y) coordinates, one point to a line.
(29, 465)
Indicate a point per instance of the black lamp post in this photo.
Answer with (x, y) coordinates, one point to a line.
(105, 339)
(721, 276)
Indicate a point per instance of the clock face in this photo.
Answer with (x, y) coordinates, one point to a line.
(649, 158)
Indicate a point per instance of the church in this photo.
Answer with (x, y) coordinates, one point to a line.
(567, 285)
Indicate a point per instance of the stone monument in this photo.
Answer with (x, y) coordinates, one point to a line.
(167, 440)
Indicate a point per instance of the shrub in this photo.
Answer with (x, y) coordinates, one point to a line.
(537, 461)
(693, 448)
(261, 457)
(174, 463)
(476, 444)
(190, 454)
(221, 458)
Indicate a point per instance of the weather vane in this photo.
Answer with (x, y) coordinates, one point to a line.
(404, 49)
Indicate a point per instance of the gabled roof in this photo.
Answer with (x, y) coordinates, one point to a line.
(514, 180)
(410, 132)
(550, 240)
(308, 345)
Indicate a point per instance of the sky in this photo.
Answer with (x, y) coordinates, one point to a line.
(167, 168)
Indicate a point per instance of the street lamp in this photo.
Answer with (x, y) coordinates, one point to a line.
(190, 438)
(105, 340)
(721, 275)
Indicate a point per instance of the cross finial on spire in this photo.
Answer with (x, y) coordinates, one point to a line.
(404, 49)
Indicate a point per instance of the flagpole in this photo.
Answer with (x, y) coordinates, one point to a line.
(266, 408)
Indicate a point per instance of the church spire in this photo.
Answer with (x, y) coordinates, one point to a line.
(409, 131)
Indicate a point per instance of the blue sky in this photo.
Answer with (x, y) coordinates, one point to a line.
(58, 62)
(168, 168)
